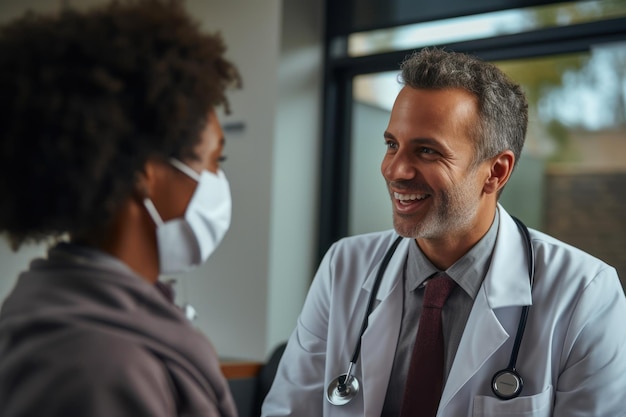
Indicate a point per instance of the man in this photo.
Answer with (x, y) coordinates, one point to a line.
(454, 136)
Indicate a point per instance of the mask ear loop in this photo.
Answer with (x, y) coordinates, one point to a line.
(152, 211)
(147, 202)
(142, 194)
(184, 168)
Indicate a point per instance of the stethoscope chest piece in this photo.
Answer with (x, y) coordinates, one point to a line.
(340, 391)
(507, 384)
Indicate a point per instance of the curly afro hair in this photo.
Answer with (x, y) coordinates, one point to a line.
(86, 98)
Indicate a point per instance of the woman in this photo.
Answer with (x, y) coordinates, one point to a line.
(110, 146)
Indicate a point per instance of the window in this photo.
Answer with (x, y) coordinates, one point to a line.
(571, 180)
(570, 59)
(482, 26)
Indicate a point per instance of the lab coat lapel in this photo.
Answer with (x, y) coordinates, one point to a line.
(482, 337)
(506, 284)
(380, 339)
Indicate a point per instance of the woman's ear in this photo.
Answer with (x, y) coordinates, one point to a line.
(500, 172)
(146, 179)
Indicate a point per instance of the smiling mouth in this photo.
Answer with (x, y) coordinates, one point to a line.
(409, 198)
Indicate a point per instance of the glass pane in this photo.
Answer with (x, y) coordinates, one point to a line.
(571, 179)
(482, 26)
(370, 207)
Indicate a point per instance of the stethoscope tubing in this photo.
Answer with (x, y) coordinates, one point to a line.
(507, 383)
(342, 389)
(343, 380)
(372, 297)
(531, 273)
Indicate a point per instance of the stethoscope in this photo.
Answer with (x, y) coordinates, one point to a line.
(506, 384)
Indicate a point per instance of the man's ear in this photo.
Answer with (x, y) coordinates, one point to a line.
(500, 172)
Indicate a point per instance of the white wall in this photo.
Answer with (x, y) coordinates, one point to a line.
(11, 263)
(296, 166)
(251, 290)
(230, 291)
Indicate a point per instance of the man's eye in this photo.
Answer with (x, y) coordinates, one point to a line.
(222, 158)
(391, 145)
(427, 150)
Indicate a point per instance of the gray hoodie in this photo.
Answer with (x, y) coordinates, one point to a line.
(82, 335)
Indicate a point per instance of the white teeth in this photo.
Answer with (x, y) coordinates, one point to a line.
(408, 197)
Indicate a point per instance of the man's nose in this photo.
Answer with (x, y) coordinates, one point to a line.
(400, 166)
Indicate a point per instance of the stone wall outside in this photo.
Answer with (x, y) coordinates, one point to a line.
(588, 210)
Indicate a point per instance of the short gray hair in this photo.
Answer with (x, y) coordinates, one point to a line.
(503, 109)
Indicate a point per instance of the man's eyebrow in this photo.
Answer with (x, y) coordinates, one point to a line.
(417, 140)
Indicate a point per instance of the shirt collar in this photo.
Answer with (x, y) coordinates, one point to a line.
(468, 272)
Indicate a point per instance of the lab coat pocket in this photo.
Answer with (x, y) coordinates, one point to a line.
(539, 405)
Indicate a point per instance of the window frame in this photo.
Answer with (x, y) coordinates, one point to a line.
(340, 70)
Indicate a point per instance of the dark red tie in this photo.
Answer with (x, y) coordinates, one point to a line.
(424, 382)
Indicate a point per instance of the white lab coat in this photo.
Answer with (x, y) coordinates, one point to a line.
(572, 357)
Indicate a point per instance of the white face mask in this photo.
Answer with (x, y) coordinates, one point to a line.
(187, 242)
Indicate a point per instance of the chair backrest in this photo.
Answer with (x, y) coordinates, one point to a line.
(266, 376)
